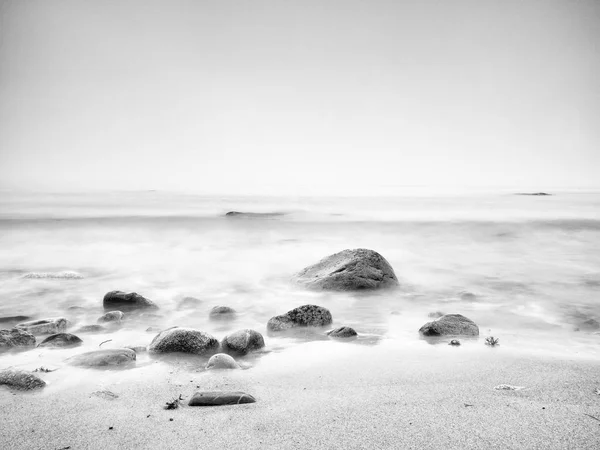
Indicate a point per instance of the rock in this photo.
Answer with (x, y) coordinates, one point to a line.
(103, 358)
(91, 329)
(61, 340)
(45, 326)
(117, 300)
(349, 270)
(303, 316)
(242, 342)
(19, 379)
(16, 338)
(185, 340)
(222, 361)
(189, 303)
(13, 319)
(467, 296)
(217, 398)
(153, 329)
(450, 324)
(106, 395)
(222, 313)
(111, 316)
(342, 332)
(454, 342)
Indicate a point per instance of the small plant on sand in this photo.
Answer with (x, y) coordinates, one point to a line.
(174, 404)
(492, 341)
(44, 369)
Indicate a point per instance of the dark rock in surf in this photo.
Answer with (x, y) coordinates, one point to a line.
(184, 340)
(222, 361)
(16, 338)
(104, 358)
(467, 296)
(45, 326)
(21, 380)
(342, 333)
(61, 340)
(303, 316)
(217, 398)
(13, 319)
(111, 316)
(242, 342)
(349, 270)
(222, 313)
(122, 301)
(450, 324)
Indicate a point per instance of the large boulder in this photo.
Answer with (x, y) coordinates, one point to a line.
(104, 358)
(242, 342)
(19, 379)
(122, 301)
(303, 316)
(61, 340)
(217, 398)
(184, 340)
(16, 338)
(45, 326)
(349, 270)
(450, 325)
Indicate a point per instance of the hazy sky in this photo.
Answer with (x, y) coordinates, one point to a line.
(233, 95)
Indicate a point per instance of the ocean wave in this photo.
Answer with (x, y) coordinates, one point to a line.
(67, 275)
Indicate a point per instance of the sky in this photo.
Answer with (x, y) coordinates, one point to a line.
(350, 95)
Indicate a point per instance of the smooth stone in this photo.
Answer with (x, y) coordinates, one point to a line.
(91, 329)
(189, 303)
(184, 340)
(222, 361)
(342, 332)
(19, 379)
(450, 324)
(45, 326)
(222, 313)
(102, 358)
(303, 316)
(349, 270)
(122, 301)
(242, 342)
(467, 296)
(14, 319)
(435, 315)
(61, 340)
(16, 338)
(454, 342)
(111, 316)
(217, 398)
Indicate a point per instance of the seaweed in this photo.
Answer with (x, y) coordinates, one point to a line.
(491, 341)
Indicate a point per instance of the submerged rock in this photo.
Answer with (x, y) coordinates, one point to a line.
(349, 270)
(222, 361)
(303, 316)
(103, 358)
(16, 337)
(122, 301)
(222, 313)
(217, 398)
(450, 324)
(185, 340)
(589, 325)
(19, 379)
(342, 332)
(45, 326)
(91, 329)
(242, 342)
(189, 303)
(61, 340)
(111, 316)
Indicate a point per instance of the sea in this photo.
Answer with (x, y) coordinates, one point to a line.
(525, 268)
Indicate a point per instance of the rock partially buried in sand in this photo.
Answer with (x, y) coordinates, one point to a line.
(454, 342)
(222, 361)
(61, 340)
(349, 270)
(122, 301)
(342, 333)
(104, 358)
(184, 340)
(217, 398)
(242, 342)
(303, 316)
(16, 338)
(45, 326)
(111, 316)
(222, 313)
(19, 379)
(450, 324)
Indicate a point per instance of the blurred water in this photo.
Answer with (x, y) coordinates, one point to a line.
(531, 263)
